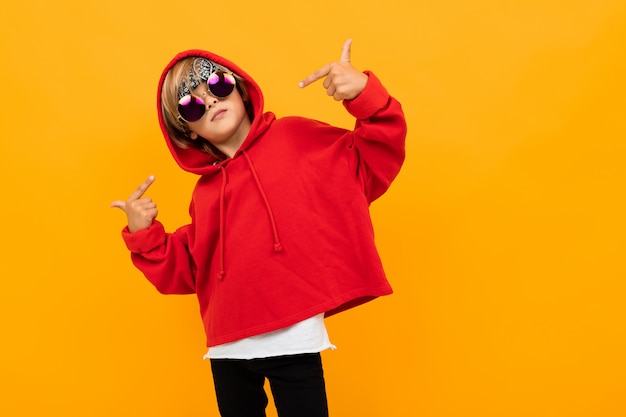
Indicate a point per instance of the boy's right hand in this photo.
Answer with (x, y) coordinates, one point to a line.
(140, 211)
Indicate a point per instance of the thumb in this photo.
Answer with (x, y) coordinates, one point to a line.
(119, 204)
(345, 52)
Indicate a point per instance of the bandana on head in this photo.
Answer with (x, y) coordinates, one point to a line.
(203, 68)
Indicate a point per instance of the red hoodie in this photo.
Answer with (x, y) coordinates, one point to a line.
(281, 231)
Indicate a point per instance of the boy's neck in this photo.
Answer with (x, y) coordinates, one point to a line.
(230, 147)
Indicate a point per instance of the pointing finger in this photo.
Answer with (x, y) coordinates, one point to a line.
(136, 195)
(345, 52)
(119, 204)
(320, 73)
(325, 70)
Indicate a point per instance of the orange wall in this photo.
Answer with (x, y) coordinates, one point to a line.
(503, 236)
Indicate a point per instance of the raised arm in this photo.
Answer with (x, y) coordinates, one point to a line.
(380, 129)
(162, 257)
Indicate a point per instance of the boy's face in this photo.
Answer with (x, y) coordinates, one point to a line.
(225, 123)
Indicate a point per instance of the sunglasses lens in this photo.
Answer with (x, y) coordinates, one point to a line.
(221, 84)
(191, 108)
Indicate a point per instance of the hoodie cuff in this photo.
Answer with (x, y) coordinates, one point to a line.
(373, 98)
(144, 240)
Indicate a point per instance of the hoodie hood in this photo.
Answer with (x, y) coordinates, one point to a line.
(194, 160)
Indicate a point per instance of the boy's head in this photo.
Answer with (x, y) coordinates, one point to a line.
(181, 104)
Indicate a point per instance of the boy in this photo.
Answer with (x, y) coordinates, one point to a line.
(280, 235)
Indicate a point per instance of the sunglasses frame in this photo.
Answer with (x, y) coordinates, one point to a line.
(224, 77)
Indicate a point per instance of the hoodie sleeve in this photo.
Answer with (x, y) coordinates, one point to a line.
(163, 257)
(379, 136)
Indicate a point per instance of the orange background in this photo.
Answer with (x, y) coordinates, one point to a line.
(503, 235)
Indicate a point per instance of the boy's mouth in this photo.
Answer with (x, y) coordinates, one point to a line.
(218, 115)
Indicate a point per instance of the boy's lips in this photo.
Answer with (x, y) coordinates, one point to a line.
(218, 114)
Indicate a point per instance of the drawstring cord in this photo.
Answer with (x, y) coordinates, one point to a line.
(278, 247)
(222, 272)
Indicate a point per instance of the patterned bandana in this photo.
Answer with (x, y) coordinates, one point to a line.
(203, 68)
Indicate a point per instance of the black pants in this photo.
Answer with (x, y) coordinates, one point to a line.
(296, 381)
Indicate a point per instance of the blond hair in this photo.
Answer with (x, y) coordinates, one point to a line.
(182, 73)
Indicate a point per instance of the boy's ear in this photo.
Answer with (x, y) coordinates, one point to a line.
(193, 135)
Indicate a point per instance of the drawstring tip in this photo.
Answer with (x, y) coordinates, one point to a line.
(221, 274)
(278, 247)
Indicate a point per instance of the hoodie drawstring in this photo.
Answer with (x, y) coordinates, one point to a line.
(278, 247)
(221, 272)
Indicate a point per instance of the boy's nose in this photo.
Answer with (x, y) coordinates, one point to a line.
(211, 102)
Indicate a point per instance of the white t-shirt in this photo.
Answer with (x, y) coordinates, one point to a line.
(307, 336)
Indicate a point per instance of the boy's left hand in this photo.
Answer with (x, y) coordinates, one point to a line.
(343, 81)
